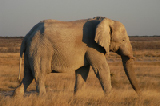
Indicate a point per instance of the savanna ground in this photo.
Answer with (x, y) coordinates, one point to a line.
(60, 86)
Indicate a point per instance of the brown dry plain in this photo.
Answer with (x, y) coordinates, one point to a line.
(60, 86)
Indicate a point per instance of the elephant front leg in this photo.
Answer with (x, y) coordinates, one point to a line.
(81, 76)
(100, 66)
(103, 74)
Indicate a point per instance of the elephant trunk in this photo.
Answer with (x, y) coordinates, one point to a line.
(125, 51)
(128, 64)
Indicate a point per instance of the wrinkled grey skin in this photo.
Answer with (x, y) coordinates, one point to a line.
(74, 46)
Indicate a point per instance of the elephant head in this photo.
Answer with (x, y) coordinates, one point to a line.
(113, 36)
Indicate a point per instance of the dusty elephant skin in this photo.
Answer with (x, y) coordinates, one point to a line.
(74, 46)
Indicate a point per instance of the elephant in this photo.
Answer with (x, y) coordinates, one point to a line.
(74, 46)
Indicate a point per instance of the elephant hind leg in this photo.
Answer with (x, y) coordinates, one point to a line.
(81, 76)
(40, 70)
(40, 84)
(27, 80)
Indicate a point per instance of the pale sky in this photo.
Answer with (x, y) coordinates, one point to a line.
(140, 17)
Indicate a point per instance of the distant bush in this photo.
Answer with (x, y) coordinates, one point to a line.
(145, 44)
(146, 38)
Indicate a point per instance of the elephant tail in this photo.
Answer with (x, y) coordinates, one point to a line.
(22, 49)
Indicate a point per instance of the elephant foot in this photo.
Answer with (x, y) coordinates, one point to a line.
(75, 93)
(19, 92)
(139, 93)
(41, 91)
(108, 92)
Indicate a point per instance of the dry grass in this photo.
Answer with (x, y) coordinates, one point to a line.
(118, 98)
(60, 86)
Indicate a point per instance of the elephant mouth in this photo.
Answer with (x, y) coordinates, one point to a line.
(114, 48)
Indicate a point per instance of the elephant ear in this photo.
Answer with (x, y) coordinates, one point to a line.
(102, 36)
